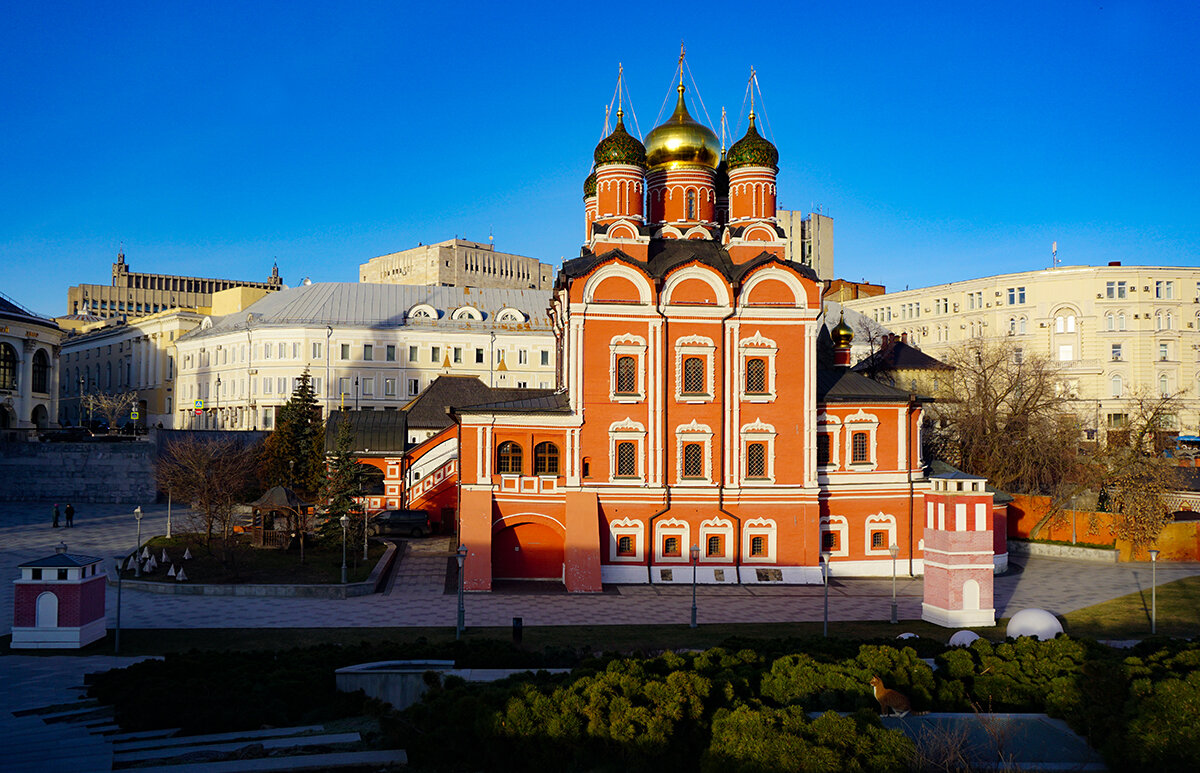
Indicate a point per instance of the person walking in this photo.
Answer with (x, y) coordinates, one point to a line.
(70, 513)
(54, 523)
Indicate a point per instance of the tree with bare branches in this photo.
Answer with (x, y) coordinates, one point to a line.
(215, 475)
(1135, 475)
(111, 406)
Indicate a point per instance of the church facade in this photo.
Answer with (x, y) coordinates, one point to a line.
(699, 420)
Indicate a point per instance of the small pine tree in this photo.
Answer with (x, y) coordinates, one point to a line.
(294, 454)
(341, 484)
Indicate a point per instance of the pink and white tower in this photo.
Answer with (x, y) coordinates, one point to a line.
(959, 554)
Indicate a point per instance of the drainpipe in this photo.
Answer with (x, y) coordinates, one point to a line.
(666, 383)
(737, 547)
(912, 401)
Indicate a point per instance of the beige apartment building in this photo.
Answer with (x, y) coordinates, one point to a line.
(1114, 330)
(809, 240)
(458, 263)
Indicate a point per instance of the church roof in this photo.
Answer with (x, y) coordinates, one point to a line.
(360, 304)
(896, 354)
(376, 433)
(667, 254)
(840, 386)
(548, 401)
(428, 410)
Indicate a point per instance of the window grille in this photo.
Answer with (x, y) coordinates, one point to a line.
(758, 546)
(671, 546)
(625, 546)
(756, 376)
(693, 460)
(858, 447)
(627, 459)
(693, 376)
(756, 460)
(822, 448)
(626, 375)
(714, 546)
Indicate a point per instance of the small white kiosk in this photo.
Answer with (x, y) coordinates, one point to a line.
(59, 602)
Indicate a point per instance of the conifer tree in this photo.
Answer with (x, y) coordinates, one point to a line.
(342, 484)
(294, 454)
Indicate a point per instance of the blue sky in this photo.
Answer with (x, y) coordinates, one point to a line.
(947, 140)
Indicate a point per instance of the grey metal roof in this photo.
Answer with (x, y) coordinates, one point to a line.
(548, 402)
(899, 355)
(62, 561)
(376, 433)
(10, 309)
(364, 305)
(428, 411)
(841, 385)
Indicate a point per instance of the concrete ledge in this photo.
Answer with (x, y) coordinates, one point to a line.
(1077, 552)
(336, 591)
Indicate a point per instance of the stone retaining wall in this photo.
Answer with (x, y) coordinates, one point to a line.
(78, 472)
(1078, 552)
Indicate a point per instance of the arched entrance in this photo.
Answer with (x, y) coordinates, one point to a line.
(46, 610)
(40, 417)
(6, 420)
(528, 550)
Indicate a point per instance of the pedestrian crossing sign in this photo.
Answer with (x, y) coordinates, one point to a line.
(133, 416)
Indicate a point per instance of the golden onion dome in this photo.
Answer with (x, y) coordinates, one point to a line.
(682, 141)
(842, 334)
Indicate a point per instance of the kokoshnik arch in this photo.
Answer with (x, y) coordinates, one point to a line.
(692, 408)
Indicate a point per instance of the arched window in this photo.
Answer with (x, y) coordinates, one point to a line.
(693, 460)
(671, 546)
(8, 367)
(756, 376)
(1110, 322)
(41, 371)
(625, 546)
(756, 460)
(858, 448)
(693, 376)
(1158, 320)
(508, 458)
(626, 375)
(545, 459)
(1170, 321)
(1012, 325)
(1116, 386)
(370, 477)
(1021, 324)
(1164, 385)
(1121, 321)
(627, 459)
(691, 205)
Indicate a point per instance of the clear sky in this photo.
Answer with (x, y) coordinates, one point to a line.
(947, 140)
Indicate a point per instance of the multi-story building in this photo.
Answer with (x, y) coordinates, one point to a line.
(1114, 330)
(809, 240)
(137, 295)
(125, 355)
(458, 263)
(366, 347)
(29, 368)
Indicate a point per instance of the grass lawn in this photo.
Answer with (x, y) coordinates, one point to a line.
(322, 563)
(1128, 617)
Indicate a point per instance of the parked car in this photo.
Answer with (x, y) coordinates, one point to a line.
(413, 523)
(65, 435)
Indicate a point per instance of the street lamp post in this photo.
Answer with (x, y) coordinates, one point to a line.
(695, 554)
(825, 582)
(137, 513)
(1153, 591)
(344, 521)
(461, 555)
(895, 551)
(217, 406)
(81, 402)
(168, 513)
(356, 393)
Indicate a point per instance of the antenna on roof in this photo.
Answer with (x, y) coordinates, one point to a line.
(1054, 254)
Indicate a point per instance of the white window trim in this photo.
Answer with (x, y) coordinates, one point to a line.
(627, 346)
(672, 528)
(695, 346)
(716, 527)
(758, 432)
(880, 522)
(861, 422)
(759, 527)
(757, 346)
(626, 527)
(693, 432)
(622, 431)
(836, 524)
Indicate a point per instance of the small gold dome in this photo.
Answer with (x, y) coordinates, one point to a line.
(682, 141)
(842, 334)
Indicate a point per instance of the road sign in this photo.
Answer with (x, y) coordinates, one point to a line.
(133, 416)
(199, 405)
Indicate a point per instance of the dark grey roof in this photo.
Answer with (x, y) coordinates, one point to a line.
(10, 309)
(428, 410)
(548, 402)
(277, 497)
(62, 560)
(838, 385)
(364, 305)
(667, 254)
(376, 433)
(896, 354)
(940, 469)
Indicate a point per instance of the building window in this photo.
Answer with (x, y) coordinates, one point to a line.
(343, 386)
(435, 354)
(368, 352)
(1016, 295)
(414, 386)
(368, 387)
(671, 547)
(479, 356)
(389, 387)
(1115, 385)
(627, 459)
(756, 460)
(412, 354)
(41, 371)
(545, 459)
(1110, 322)
(713, 548)
(522, 357)
(625, 546)
(508, 458)
(626, 375)
(693, 376)
(859, 448)
(756, 376)
(1164, 385)
(1164, 290)
(1164, 351)
(1115, 290)
(823, 443)
(458, 354)
(1116, 351)
(758, 546)
(345, 351)
(316, 350)
(829, 542)
(389, 352)
(1018, 355)
(878, 538)
(693, 460)
(545, 358)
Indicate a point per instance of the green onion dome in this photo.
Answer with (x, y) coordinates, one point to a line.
(753, 150)
(589, 185)
(620, 147)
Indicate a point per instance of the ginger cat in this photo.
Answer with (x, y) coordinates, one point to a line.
(890, 700)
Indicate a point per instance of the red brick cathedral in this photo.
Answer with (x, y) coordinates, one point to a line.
(694, 415)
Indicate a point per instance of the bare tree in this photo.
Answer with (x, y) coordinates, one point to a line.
(1005, 416)
(111, 406)
(1135, 475)
(214, 475)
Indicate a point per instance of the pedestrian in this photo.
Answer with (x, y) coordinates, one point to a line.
(54, 523)
(70, 513)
